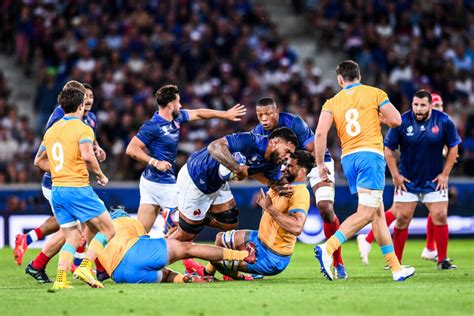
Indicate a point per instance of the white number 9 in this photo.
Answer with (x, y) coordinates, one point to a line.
(352, 126)
(58, 156)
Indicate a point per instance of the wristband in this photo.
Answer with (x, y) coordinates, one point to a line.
(152, 162)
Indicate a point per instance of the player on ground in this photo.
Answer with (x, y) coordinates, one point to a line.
(37, 267)
(357, 111)
(421, 176)
(205, 196)
(271, 118)
(282, 221)
(132, 256)
(364, 241)
(156, 144)
(67, 151)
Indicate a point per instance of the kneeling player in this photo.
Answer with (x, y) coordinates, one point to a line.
(131, 256)
(282, 221)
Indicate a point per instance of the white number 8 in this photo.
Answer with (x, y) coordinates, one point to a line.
(352, 126)
(58, 156)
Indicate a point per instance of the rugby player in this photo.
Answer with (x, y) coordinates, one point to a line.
(357, 111)
(270, 118)
(421, 176)
(205, 196)
(67, 151)
(156, 144)
(282, 221)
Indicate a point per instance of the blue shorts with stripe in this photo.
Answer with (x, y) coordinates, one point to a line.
(72, 204)
(364, 170)
(268, 262)
(142, 262)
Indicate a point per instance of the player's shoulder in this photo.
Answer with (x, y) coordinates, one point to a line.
(440, 115)
(300, 191)
(407, 116)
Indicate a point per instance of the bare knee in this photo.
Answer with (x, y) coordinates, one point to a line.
(439, 218)
(326, 211)
(403, 221)
(218, 241)
(368, 213)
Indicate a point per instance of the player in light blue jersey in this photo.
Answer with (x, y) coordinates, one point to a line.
(156, 144)
(205, 196)
(270, 118)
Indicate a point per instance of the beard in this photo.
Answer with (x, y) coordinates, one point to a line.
(175, 114)
(290, 177)
(421, 116)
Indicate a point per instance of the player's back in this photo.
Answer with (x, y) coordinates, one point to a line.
(62, 142)
(355, 110)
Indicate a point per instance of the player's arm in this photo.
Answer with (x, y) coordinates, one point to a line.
(92, 164)
(293, 222)
(443, 177)
(219, 150)
(232, 114)
(137, 150)
(389, 115)
(99, 152)
(321, 140)
(41, 159)
(398, 179)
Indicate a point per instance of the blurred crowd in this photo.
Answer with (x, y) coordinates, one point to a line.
(221, 53)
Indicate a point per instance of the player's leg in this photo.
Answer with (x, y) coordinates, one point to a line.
(429, 251)
(37, 267)
(147, 214)
(223, 213)
(405, 211)
(72, 235)
(149, 203)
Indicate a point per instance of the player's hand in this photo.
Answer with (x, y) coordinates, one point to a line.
(285, 190)
(102, 180)
(99, 153)
(235, 112)
(242, 173)
(263, 200)
(323, 172)
(442, 184)
(399, 182)
(161, 165)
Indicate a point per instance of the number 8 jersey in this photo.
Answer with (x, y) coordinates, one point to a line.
(61, 142)
(355, 110)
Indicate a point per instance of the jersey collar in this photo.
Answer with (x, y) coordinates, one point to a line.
(67, 118)
(297, 183)
(352, 85)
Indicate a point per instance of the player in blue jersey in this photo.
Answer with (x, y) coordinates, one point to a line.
(156, 144)
(270, 118)
(421, 175)
(205, 196)
(36, 268)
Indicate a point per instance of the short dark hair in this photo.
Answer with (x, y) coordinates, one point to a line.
(70, 100)
(87, 86)
(423, 94)
(304, 159)
(349, 70)
(166, 94)
(286, 134)
(265, 101)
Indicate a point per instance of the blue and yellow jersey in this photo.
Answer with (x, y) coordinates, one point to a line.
(61, 142)
(355, 110)
(270, 233)
(127, 232)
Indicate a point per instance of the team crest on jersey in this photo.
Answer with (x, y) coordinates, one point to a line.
(435, 129)
(197, 212)
(410, 131)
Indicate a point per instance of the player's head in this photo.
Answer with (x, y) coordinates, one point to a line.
(168, 97)
(89, 96)
(72, 101)
(74, 84)
(437, 102)
(298, 166)
(282, 143)
(267, 113)
(347, 72)
(118, 211)
(421, 105)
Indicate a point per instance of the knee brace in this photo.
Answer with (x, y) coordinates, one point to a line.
(190, 228)
(371, 199)
(228, 217)
(324, 193)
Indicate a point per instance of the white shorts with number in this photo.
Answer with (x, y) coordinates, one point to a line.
(431, 197)
(163, 194)
(193, 203)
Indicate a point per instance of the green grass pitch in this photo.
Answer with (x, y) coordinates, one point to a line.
(299, 290)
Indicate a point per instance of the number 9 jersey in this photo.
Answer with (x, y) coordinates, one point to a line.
(61, 143)
(355, 110)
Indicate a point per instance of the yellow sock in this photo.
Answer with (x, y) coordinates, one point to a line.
(392, 262)
(210, 269)
(86, 263)
(332, 244)
(61, 276)
(230, 254)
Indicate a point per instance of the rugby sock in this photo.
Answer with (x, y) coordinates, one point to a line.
(231, 255)
(441, 235)
(40, 262)
(98, 266)
(430, 239)
(80, 254)
(98, 243)
(400, 237)
(65, 258)
(329, 230)
(86, 263)
(34, 235)
(389, 218)
(210, 269)
(390, 257)
(334, 242)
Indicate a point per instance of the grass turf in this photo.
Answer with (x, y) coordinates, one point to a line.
(300, 289)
